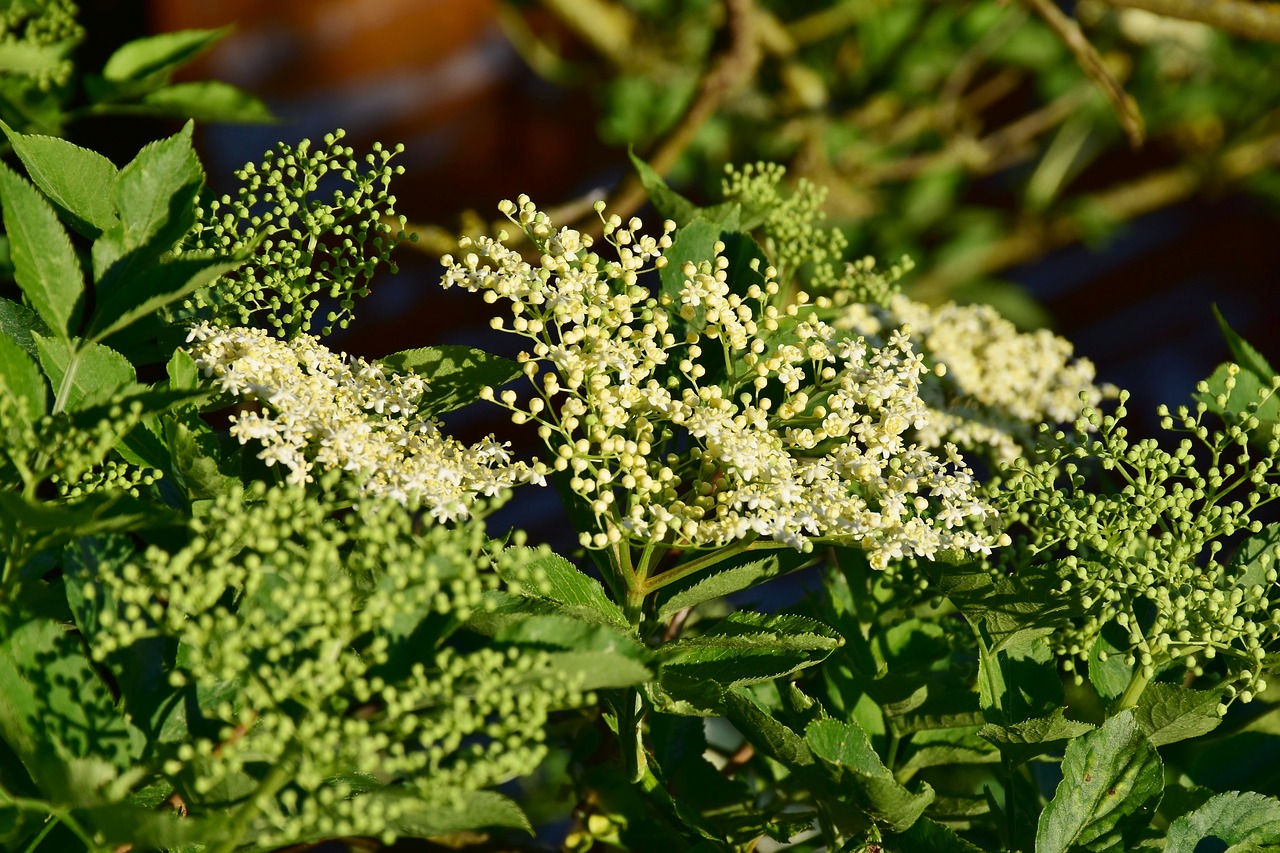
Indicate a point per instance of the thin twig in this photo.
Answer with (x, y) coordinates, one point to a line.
(1249, 19)
(1087, 56)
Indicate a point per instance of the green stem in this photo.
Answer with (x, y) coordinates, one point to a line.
(630, 736)
(50, 822)
(719, 555)
(1133, 691)
(269, 787)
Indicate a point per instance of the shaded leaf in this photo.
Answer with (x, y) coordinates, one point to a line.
(17, 322)
(872, 785)
(1112, 779)
(154, 287)
(448, 812)
(1242, 351)
(669, 203)
(20, 375)
(94, 373)
(455, 374)
(1227, 819)
(45, 264)
(1168, 713)
(925, 836)
(1027, 739)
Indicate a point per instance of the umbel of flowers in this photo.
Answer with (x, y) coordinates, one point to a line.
(323, 410)
(722, 413)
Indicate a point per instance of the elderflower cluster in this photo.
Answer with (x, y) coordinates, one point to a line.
(320, 409)
(1148, 558)
(307, 241)
(294, 623)
(997, 385)
(717, 413)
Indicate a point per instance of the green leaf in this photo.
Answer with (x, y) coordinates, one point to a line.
(454, 373)
(575, 592)
(771, 737)
(155, 195)
(1110, 677)
(159, 55)
(17, 322)
(45, 264)
(92, 376)
(197, 459)
(925, 836)
(1253, 558)
(558, 632)
(720, 584)
(1028, 739)
(669, 203)
(22, 378)
(1112, 779)
(1019, 682)
(1248, 388)
(446, 812)
(76, 179)
(693, 243)
(1168, 713)
(1242, 351)
(599, 670)
(54, 712)
(1006, 610)
(154, 287)
(1227, 819)
(871, 784)
(206, 101)
(747, 648)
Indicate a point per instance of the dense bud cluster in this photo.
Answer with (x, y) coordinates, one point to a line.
(319, 625)
(722, 413)
(314, 243)
(1148, 558)
(791, 221)
(40, 37)
(998, 384)
(323, 410)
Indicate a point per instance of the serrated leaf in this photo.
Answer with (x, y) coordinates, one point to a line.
(158, 55)
(720, 584)
(155, 195)
(773, 738)
(1242, 351)
(90, 377)
(748, 648)
(154, 287)
(446, 812)
(925, 836)
(1112, 779)
(1246, 389)
(454, 373)
(1254, 557)
(76, 179)
(1168, 713)
(556, 631)
(17, 322)
(21, 377)
(669, 203)
(1227, 819)
(206, 101)
(578, 593)
(1027, 739)
(45, 264)
(870, 783)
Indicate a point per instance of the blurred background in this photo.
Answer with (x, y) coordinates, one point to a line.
(966, 134)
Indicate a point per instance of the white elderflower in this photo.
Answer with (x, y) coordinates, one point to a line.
(994, 385)
(322, 409)
(720, 412)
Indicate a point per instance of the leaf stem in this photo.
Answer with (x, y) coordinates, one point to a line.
(750, 543)
(1133, 691)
